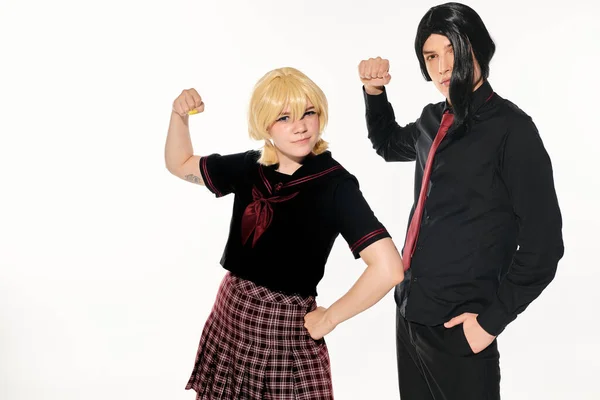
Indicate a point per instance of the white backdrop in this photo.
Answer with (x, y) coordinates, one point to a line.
(109, 264)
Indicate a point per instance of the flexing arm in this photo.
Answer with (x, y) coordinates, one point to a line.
(390, 140)
(179, 154)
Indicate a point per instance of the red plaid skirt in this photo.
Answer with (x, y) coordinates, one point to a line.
(254, 346)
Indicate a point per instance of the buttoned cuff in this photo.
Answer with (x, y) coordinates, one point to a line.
(375, 101)
(495, 318)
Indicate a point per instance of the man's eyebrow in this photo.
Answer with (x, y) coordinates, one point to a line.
(432, 51)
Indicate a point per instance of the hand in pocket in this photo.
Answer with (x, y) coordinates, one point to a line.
(476, 336)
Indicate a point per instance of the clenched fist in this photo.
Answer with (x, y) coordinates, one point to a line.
(374, 74)
(188, 102)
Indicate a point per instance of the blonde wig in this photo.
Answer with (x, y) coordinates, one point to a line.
(276, 90)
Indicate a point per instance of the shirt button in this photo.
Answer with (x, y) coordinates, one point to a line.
(278, 186)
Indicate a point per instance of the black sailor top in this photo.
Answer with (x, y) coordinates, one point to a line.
(283, 226)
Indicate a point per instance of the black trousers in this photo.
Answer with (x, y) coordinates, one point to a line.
(436, 363)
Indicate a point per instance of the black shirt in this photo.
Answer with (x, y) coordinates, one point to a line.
(490, 238)
(284, 226)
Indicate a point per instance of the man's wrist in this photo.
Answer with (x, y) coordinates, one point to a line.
(373, 90)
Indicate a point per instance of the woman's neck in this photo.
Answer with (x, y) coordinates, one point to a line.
(288, 165)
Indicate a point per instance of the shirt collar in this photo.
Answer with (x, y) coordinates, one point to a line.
(313, 170)
(480, 97)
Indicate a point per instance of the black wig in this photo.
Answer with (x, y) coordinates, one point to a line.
(466, 31)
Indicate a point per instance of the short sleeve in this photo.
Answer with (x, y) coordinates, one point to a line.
(223, 174)
(354, 218)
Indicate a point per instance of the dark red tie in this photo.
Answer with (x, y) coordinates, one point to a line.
(258, 215)
(415, 223)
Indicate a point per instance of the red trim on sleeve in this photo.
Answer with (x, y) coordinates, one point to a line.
(209, 181)
(366, 237)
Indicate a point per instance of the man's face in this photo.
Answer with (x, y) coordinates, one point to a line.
(439, 59)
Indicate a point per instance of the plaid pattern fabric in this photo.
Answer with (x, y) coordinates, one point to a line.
(254, 346)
